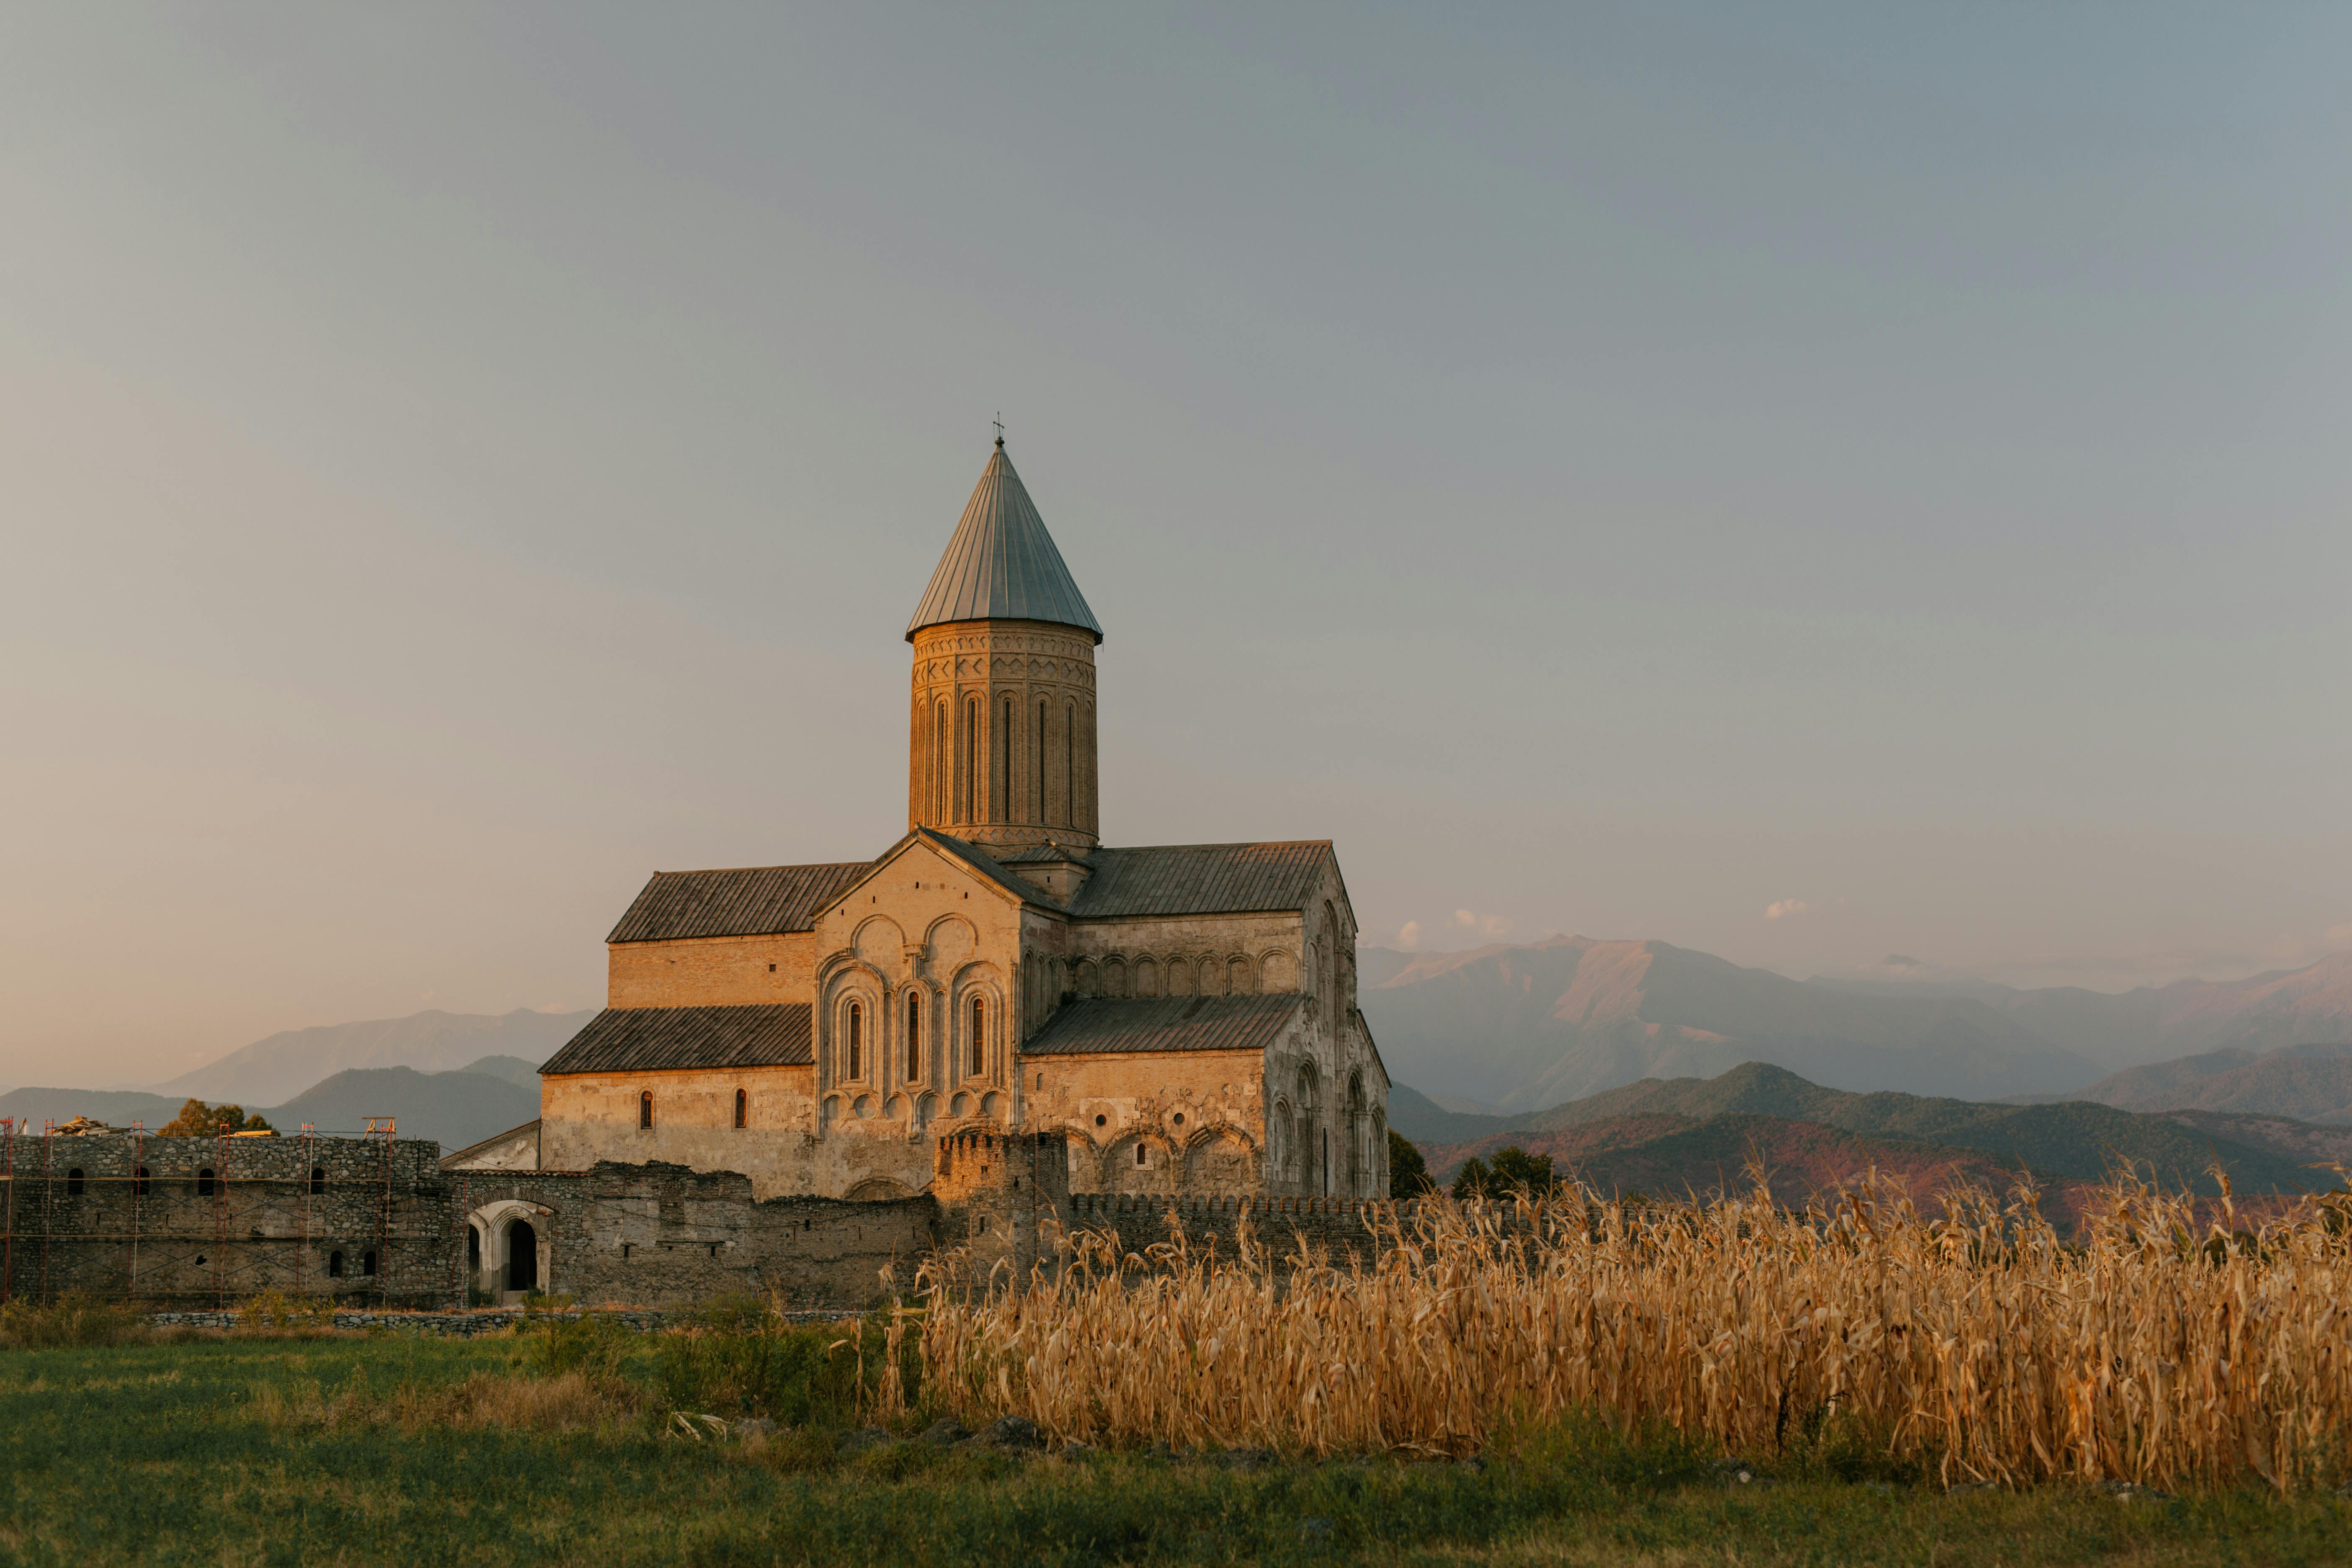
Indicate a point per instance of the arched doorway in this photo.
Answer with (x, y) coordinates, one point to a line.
(522, 1257)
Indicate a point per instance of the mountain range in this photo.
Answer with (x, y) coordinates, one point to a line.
(1665, 1136)
(2310, 1082)
(453, 1108)
(1520, 1027)
(273, 1070)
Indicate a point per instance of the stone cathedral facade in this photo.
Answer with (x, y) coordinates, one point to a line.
(1182, 1017)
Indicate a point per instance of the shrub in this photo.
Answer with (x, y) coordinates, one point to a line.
(741, 1357)
(71, 1319)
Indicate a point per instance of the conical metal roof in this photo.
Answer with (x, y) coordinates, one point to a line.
(1001, 564)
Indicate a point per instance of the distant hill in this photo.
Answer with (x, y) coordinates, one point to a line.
(2073, 1139)
(282, 1065)
(1674, 1156)
(1928, 1138)
(514, 1070)
(1425, 1121)
(2156, 1023)
(2305, 1142)
(453, 1108)
(1527, 1027)
(2308, 1082)
(1519, 1027)
(116, 1107)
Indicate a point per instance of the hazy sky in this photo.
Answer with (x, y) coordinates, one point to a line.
(1803, 482)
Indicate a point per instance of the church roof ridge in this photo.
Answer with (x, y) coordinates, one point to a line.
(1001, 564)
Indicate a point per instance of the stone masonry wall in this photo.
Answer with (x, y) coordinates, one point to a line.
(710, 972)
(659, 1234)
(213, 1220)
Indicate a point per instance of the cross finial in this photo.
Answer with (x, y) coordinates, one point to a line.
(999, 422)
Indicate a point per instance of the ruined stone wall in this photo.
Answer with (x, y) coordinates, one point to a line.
(710, 972)
(656, 1233)
(213, 1220)
(588, 1117)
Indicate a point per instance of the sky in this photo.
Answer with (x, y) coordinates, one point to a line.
(1857, 488)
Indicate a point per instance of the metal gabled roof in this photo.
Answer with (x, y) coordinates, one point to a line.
(758, 901)
(1202, 880)
(1001, 564)
(666, 1039)
(1100, 1025)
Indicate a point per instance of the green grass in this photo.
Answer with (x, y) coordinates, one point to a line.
(172, 1453)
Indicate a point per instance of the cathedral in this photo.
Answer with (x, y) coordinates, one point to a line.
(1182, 1015)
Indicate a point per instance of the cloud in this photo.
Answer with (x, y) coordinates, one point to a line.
(1901, 961)
(1785, 908)
(1488, 926)
(1409, 935)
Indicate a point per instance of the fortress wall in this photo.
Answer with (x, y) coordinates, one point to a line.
(654, 1234)
(710, 972)
(260, 1228)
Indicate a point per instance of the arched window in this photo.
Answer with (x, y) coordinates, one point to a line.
(1037, 756)
(742, 1109)
(318, 1180)
(971, 761)
(914, 1036)
(367, 1263)
(73, 1183)
(204, 1182)
(139, 1181)
(1327, 1162)
(1070, 764)
(335, 1266)
(645, 1109)
(1138, 1155)
(979, 1034)
(940, 765)
(854, 1064)
(1000, 806)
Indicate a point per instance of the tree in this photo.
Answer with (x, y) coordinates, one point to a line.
(1473, 1180)
(1408, 1172)
(197, 1120)
(1514, 1172)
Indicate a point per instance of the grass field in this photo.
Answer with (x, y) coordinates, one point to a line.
(334, 1450)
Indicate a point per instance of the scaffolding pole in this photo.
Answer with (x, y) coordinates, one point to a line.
(138, 1190)
(302, 1242)
(49, 1202)
(220, 1224)
(8, 1226)
(383, 1220)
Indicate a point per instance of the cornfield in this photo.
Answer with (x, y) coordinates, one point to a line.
(2161, 1344)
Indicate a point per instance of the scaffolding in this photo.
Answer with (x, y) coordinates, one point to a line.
(197, 1245)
